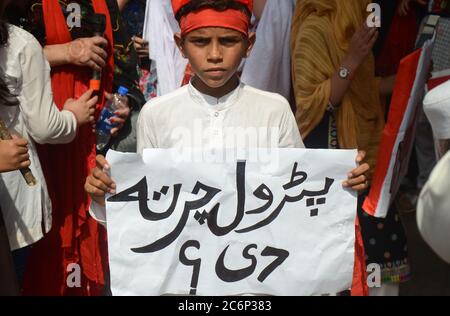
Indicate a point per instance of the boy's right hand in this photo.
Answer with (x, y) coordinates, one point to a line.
(14, 154)
(99, 182)
(83, 108)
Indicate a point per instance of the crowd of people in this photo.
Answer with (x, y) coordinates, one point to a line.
(313, 69)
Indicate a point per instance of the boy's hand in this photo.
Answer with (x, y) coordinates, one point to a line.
(99, 182)
(356, 178)
(14, 154)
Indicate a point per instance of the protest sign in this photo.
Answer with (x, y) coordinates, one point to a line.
(231, 227)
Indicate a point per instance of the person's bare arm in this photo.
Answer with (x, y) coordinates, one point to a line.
(360, 47)
(340, 86)
(387, 86)
(122, 4)
(81, 52)
(258, 8)
(57, 54)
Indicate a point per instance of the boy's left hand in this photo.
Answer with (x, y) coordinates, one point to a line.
(357, 179)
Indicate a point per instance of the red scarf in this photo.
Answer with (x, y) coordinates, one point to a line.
(398, 44)
(75, 237)
(206, 17)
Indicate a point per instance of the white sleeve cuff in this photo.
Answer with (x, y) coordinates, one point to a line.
(98, 212)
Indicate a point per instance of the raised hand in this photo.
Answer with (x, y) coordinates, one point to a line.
(361, 44)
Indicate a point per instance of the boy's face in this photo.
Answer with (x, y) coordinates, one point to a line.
(215, 53)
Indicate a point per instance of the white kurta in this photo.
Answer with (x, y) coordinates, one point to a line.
(159, 28)
(436, 106)
(433, 209)
(26, 72)
(187, 118)
(269, 65)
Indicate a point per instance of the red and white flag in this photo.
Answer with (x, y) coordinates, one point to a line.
(398, 135)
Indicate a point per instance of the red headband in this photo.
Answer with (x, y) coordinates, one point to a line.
(207, 17)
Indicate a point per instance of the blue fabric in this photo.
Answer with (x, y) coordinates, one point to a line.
(20, 258)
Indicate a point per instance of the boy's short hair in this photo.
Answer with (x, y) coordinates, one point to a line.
(218, 5)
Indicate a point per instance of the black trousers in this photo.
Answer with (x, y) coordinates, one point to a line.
(8, 283)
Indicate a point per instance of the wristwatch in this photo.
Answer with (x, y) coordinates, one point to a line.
(344, 73)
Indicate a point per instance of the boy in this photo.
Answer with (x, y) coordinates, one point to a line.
(214, 37)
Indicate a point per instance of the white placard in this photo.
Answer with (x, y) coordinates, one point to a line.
(231, 228)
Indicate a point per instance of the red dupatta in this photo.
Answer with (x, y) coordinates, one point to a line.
(75, 237)
(399, 43)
